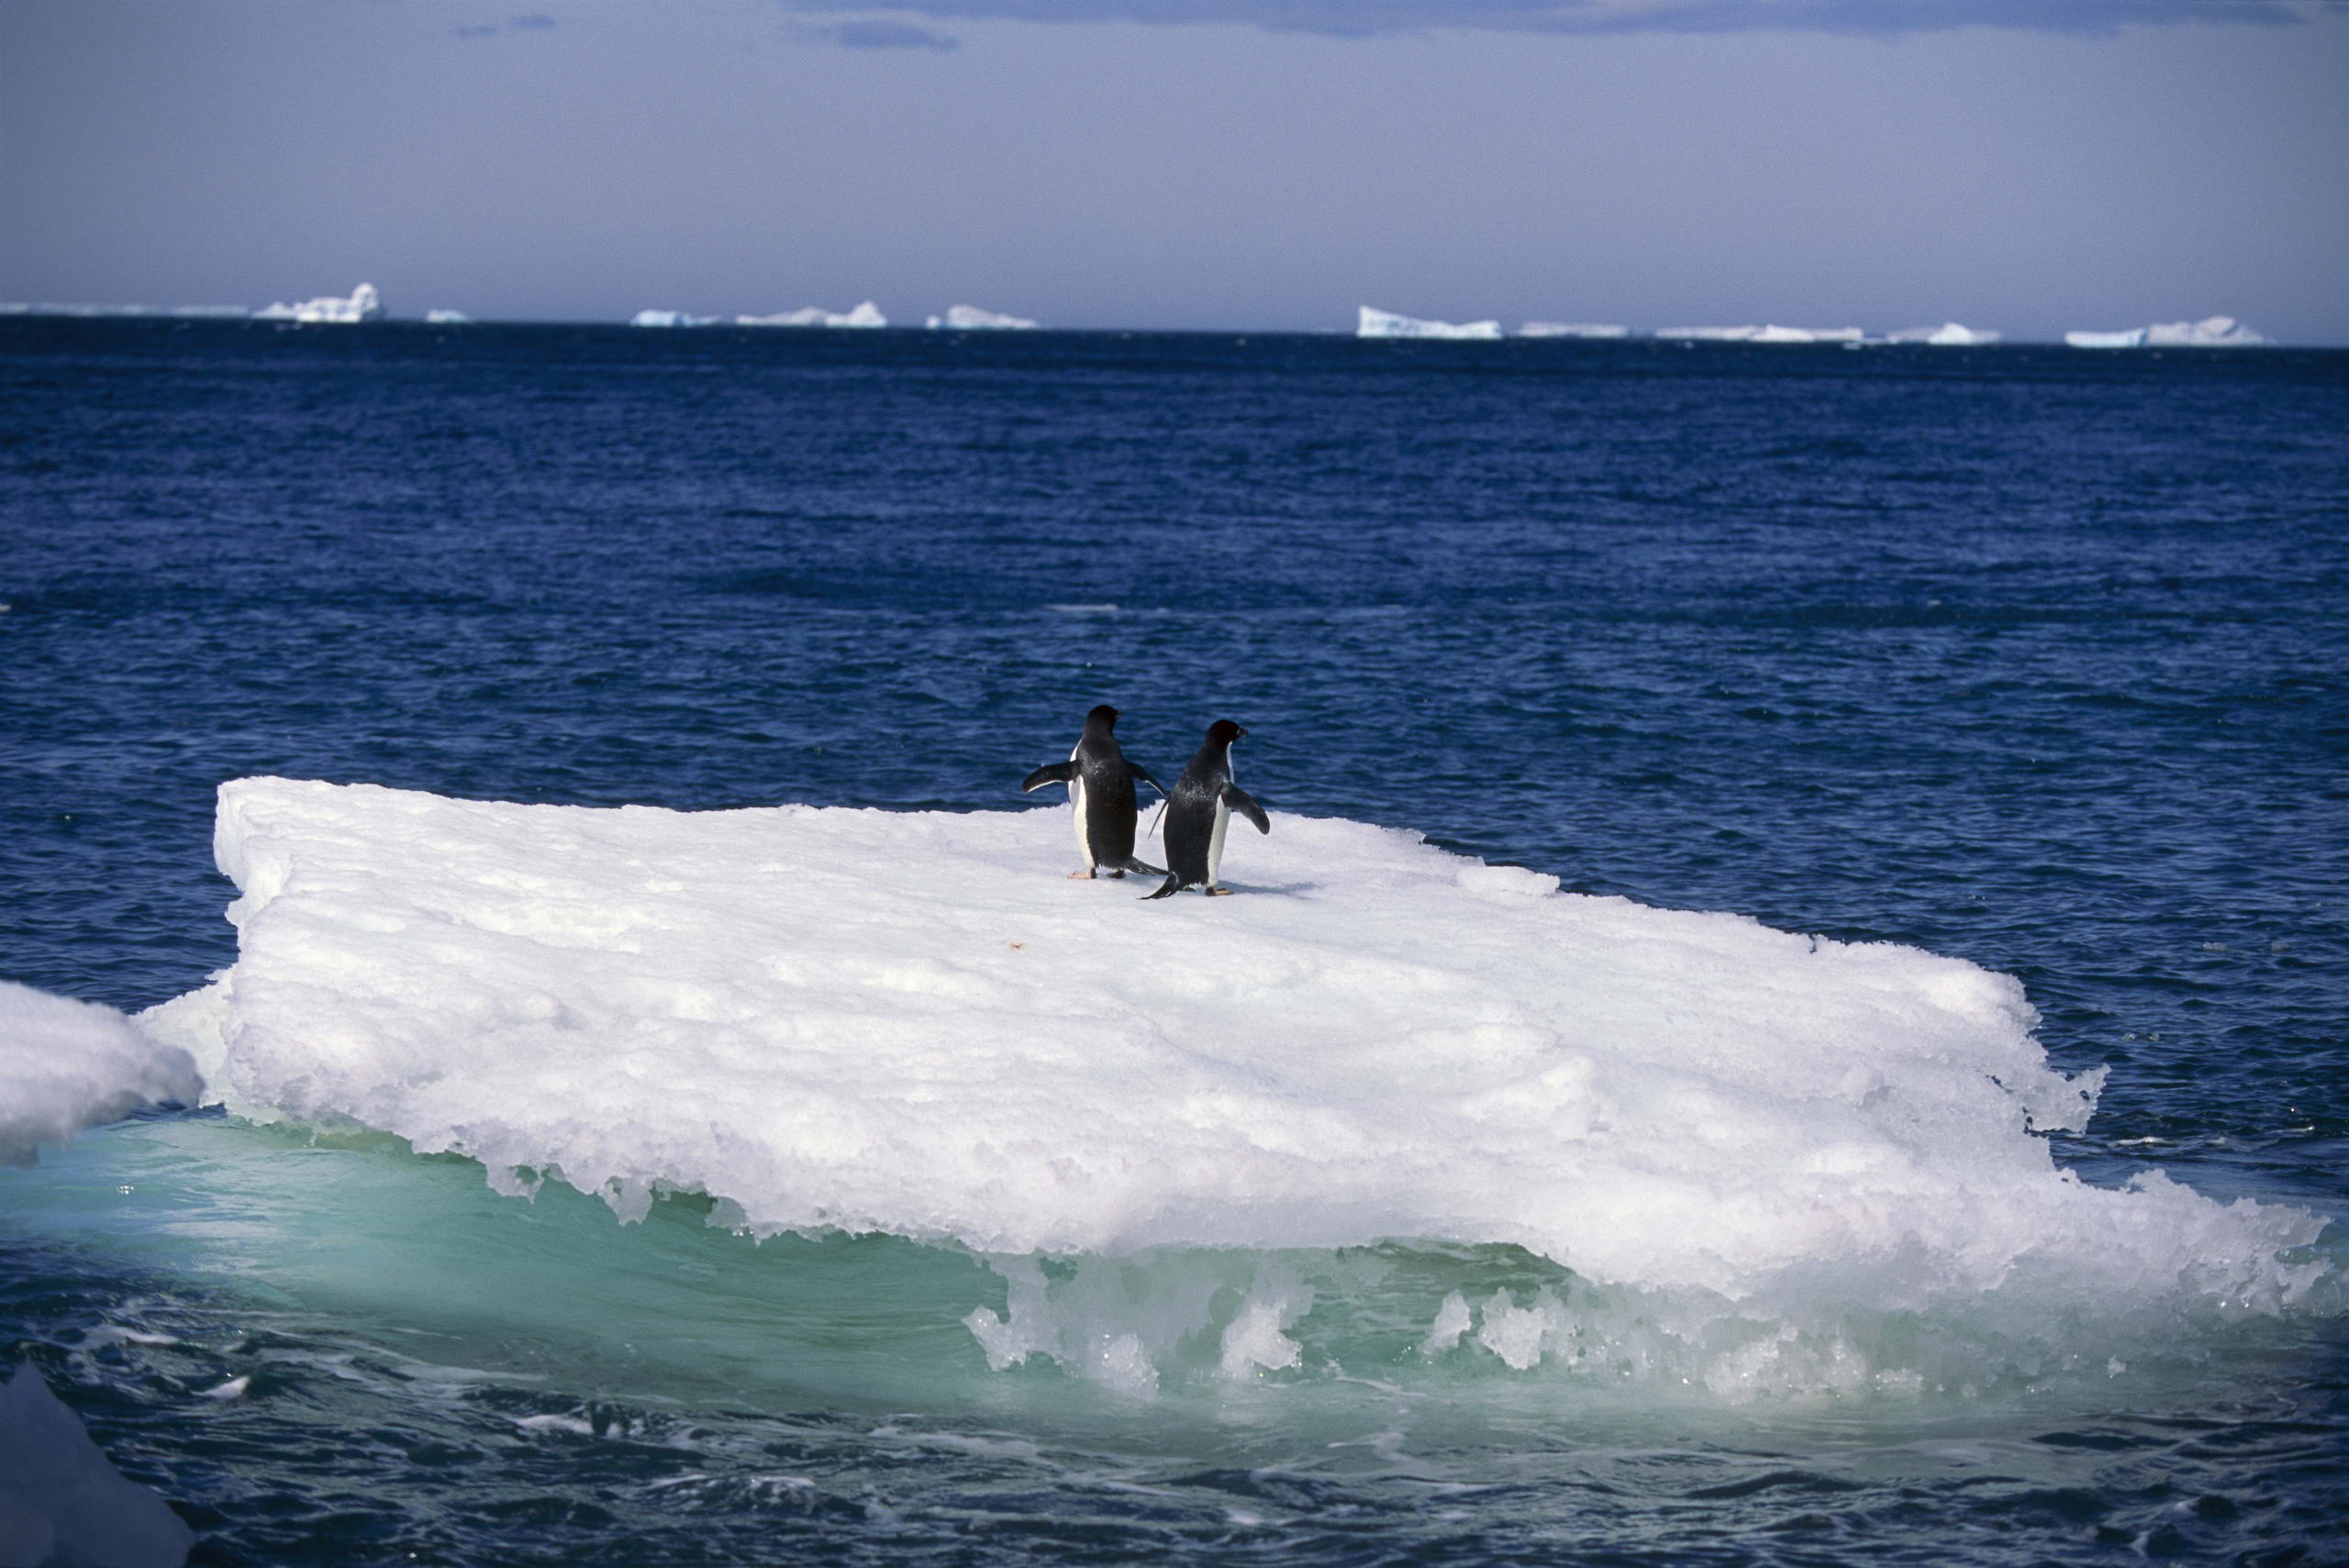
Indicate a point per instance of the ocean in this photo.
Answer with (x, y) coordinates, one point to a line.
(2029, 657)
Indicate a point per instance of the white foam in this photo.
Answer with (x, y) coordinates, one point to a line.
(62, 1502)
(914, 1023)
(65, 1065)
(1375, 323)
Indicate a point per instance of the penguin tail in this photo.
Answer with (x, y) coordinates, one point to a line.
(1174, 885)
(1136, 863)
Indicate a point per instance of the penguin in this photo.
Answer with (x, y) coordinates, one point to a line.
(1200, 810)
(1101, 780)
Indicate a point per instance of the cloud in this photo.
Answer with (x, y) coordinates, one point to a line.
(884, 35)
(1367, 18)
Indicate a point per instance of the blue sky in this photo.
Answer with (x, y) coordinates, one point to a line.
(2027, 165)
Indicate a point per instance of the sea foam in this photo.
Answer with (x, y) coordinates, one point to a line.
(916, 1023)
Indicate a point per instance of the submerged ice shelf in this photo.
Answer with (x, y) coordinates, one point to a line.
(914, 1023)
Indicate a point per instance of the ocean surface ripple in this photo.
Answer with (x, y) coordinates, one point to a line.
(2030, 658)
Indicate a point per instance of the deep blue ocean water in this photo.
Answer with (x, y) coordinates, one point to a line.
(2033, 657)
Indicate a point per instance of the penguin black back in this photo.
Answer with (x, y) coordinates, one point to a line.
(1101, 780)
(1199, 810)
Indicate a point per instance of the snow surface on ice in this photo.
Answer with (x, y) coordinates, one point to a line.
(916, 1023)
(65, 1065)
(62, 1502)
(1375, 323)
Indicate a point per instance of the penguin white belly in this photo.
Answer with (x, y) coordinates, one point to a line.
(1214, 841)
(1076, 814)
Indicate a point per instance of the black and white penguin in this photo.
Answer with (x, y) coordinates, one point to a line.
(1200, 810)
(1101, 780)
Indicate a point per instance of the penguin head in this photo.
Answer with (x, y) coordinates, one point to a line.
(1223, 732)
(1103, 718)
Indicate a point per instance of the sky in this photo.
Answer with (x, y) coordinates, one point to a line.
(2028, 166)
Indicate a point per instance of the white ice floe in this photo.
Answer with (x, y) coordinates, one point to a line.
(865, 315)
(914, 1022)
(2210, 332)
(971, 319)
(671, 318)
(1768, 334)
(1374, 323)
(231, 312)
(65, 1065)
(448, 319)
(362, 304)
(62, 1502)
(1571, 330)
(1948, 335)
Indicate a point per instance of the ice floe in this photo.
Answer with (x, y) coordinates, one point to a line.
(1375, 323)
(1571, 330)
(865, 315)
(65, 1065)
(971, 319)
(362, 305)
(914, 1022)
(1948, 335)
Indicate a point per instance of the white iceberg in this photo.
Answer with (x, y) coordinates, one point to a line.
(65, 1065)
(62, 1502)
(448, 319)
(1948, 335)
(224, 312)
(1571, 330)
(2210, 332)
(971, 319)
(1710, 334)
(865, 315)
(1373, 323)
(670, 319)
(914, 1022)
(362, 305)
(2132, 339)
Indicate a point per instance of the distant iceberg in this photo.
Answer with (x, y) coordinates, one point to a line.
(1710, 334)
(362, 304)
(865, 315)
(971, 319)
(234, 312)
(1386, 324)
(2210, 332)
(448, 319)
(1948, 335)
(1571, 330)
(670, 319)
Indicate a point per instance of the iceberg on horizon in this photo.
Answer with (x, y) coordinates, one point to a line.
(447, 318)
(2210, 332)
(670, 319)
(1948, 334)
(971, 319)
(362, 305)
(2134, 338)
(865, 315)
(1375, 323)
(916, 1023)
(1571, 330)
(222, 312)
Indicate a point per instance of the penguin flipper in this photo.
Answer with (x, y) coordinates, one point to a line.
(1135, 862)
(1144, 774)
(1244, 805)
(1174, 885)
(1058, 772)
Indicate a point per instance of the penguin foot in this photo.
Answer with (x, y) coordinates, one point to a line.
(1116, 877)
(1080, 876)
(1219, 893)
